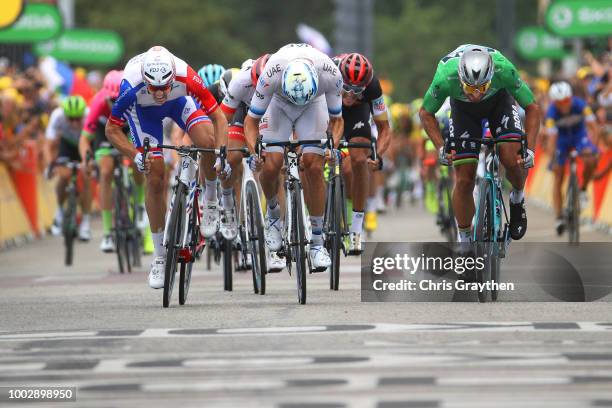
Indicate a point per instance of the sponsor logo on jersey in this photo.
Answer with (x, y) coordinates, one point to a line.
(330, 68)
(358, 125)
(263, 124)
(259, 95)
(276, 69)
(379, 104)
(197, 79)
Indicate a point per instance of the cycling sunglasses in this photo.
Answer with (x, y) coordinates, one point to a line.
(163, 88)
(348, 88)
(470, 89)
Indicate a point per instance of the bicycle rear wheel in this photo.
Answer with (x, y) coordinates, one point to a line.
(257, 242)
(484, 234)
(298, 242)
(172, 246)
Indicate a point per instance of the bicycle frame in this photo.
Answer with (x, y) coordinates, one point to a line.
(491, 176)
(187, 177)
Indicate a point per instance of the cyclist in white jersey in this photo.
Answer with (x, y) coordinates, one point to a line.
(298, 92)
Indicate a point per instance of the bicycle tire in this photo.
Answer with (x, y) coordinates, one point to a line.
(573, 206)
(227, 249)
(299, 242)
(336, 237)
(187, 267)
(174, 236)
(69, 226)
(257, 242)
(484, 234)
(451, 227)
(118, 227)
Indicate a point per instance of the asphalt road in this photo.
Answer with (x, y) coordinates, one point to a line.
(106, 334)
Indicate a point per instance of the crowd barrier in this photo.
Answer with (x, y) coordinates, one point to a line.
(539, 189)
(28, 204)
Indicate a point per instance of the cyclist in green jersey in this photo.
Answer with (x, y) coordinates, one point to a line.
(482, 84)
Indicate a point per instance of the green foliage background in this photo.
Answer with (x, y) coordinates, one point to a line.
(410, 36)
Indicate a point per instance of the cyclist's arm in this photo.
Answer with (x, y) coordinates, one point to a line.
(431, 126)
(432, 101)
(259, 103)
(591, 123)
(84, 145)
(336, 127)
(52, 137)
(381, 120)
(114, 126)
(523, 95)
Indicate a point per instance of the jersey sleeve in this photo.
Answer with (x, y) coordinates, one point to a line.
(91, 120)
(436, 93)
(236, 92)
(51, 131)
(126, 99)
(333, 94)
(514, 84)
(585, 110)
(550, 119)
(197, 90)
(377, 99)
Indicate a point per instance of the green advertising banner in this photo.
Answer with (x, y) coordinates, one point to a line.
(38, 22)
(84, 47)
(535, 42)
(580, 18)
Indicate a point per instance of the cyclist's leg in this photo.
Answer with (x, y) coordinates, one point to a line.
(195, 122)
(147, 122)
(588, 153)
(357, 129)
(275, 125)
(105, 165)
(505, 123)
(312, 123)
(464, 123)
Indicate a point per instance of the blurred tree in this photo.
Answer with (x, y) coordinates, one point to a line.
(206, 31)
(412, 36)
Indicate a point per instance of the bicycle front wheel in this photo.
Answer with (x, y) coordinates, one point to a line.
(484, 234)
(257, 243)
(298, 242)
(174, 236)
(573, 207)
(335, 227)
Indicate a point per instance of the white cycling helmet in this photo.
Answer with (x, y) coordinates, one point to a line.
(158, 67)
(300, 81)
(560, 91)
(247, 64)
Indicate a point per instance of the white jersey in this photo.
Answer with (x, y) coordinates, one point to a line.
(60, 126)
(270, 81)
(240, 90)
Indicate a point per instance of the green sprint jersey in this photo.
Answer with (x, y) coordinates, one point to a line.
(446, 81)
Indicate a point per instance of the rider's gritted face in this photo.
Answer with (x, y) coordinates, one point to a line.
(564, 106)
(475, 93)
(349, 98)
(160, 93)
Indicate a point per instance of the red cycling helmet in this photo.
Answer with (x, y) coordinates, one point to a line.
(258, 67)
(112, 83)
(357, 72)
